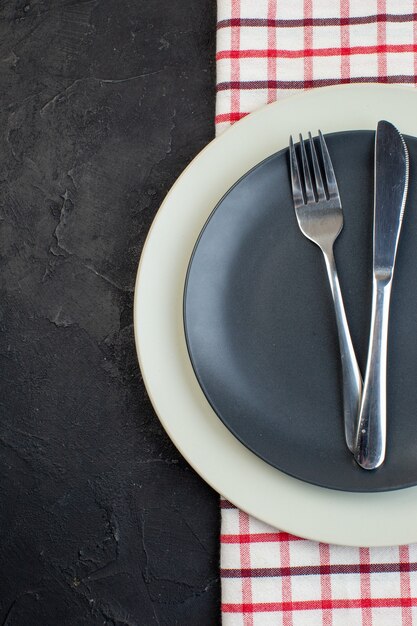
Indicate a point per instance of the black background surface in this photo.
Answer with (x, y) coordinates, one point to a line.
(103, 103)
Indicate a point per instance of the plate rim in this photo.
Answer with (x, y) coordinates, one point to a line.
(380, 524)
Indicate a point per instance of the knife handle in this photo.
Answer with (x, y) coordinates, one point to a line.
(371, 432)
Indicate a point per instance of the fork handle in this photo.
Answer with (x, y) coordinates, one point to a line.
(371, 431)
(351, 375)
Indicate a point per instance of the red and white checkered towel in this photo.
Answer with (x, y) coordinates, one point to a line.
(266, 50)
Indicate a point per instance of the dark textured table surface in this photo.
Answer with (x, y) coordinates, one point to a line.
(103, 104)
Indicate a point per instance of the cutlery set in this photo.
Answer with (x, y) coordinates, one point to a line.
(319, 214)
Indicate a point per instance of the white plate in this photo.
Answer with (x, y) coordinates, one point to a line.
(313, 512)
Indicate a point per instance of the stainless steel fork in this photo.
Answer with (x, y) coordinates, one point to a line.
(319, 213)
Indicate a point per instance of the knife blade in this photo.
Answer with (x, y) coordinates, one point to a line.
(390, 194)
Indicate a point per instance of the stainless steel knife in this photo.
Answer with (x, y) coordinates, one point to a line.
(390, 193)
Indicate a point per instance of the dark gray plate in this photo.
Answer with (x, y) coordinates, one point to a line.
(261, 331)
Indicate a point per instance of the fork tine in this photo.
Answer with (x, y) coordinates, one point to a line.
(307, 176)
(297, 189)
(321, 195)
(328, 169)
